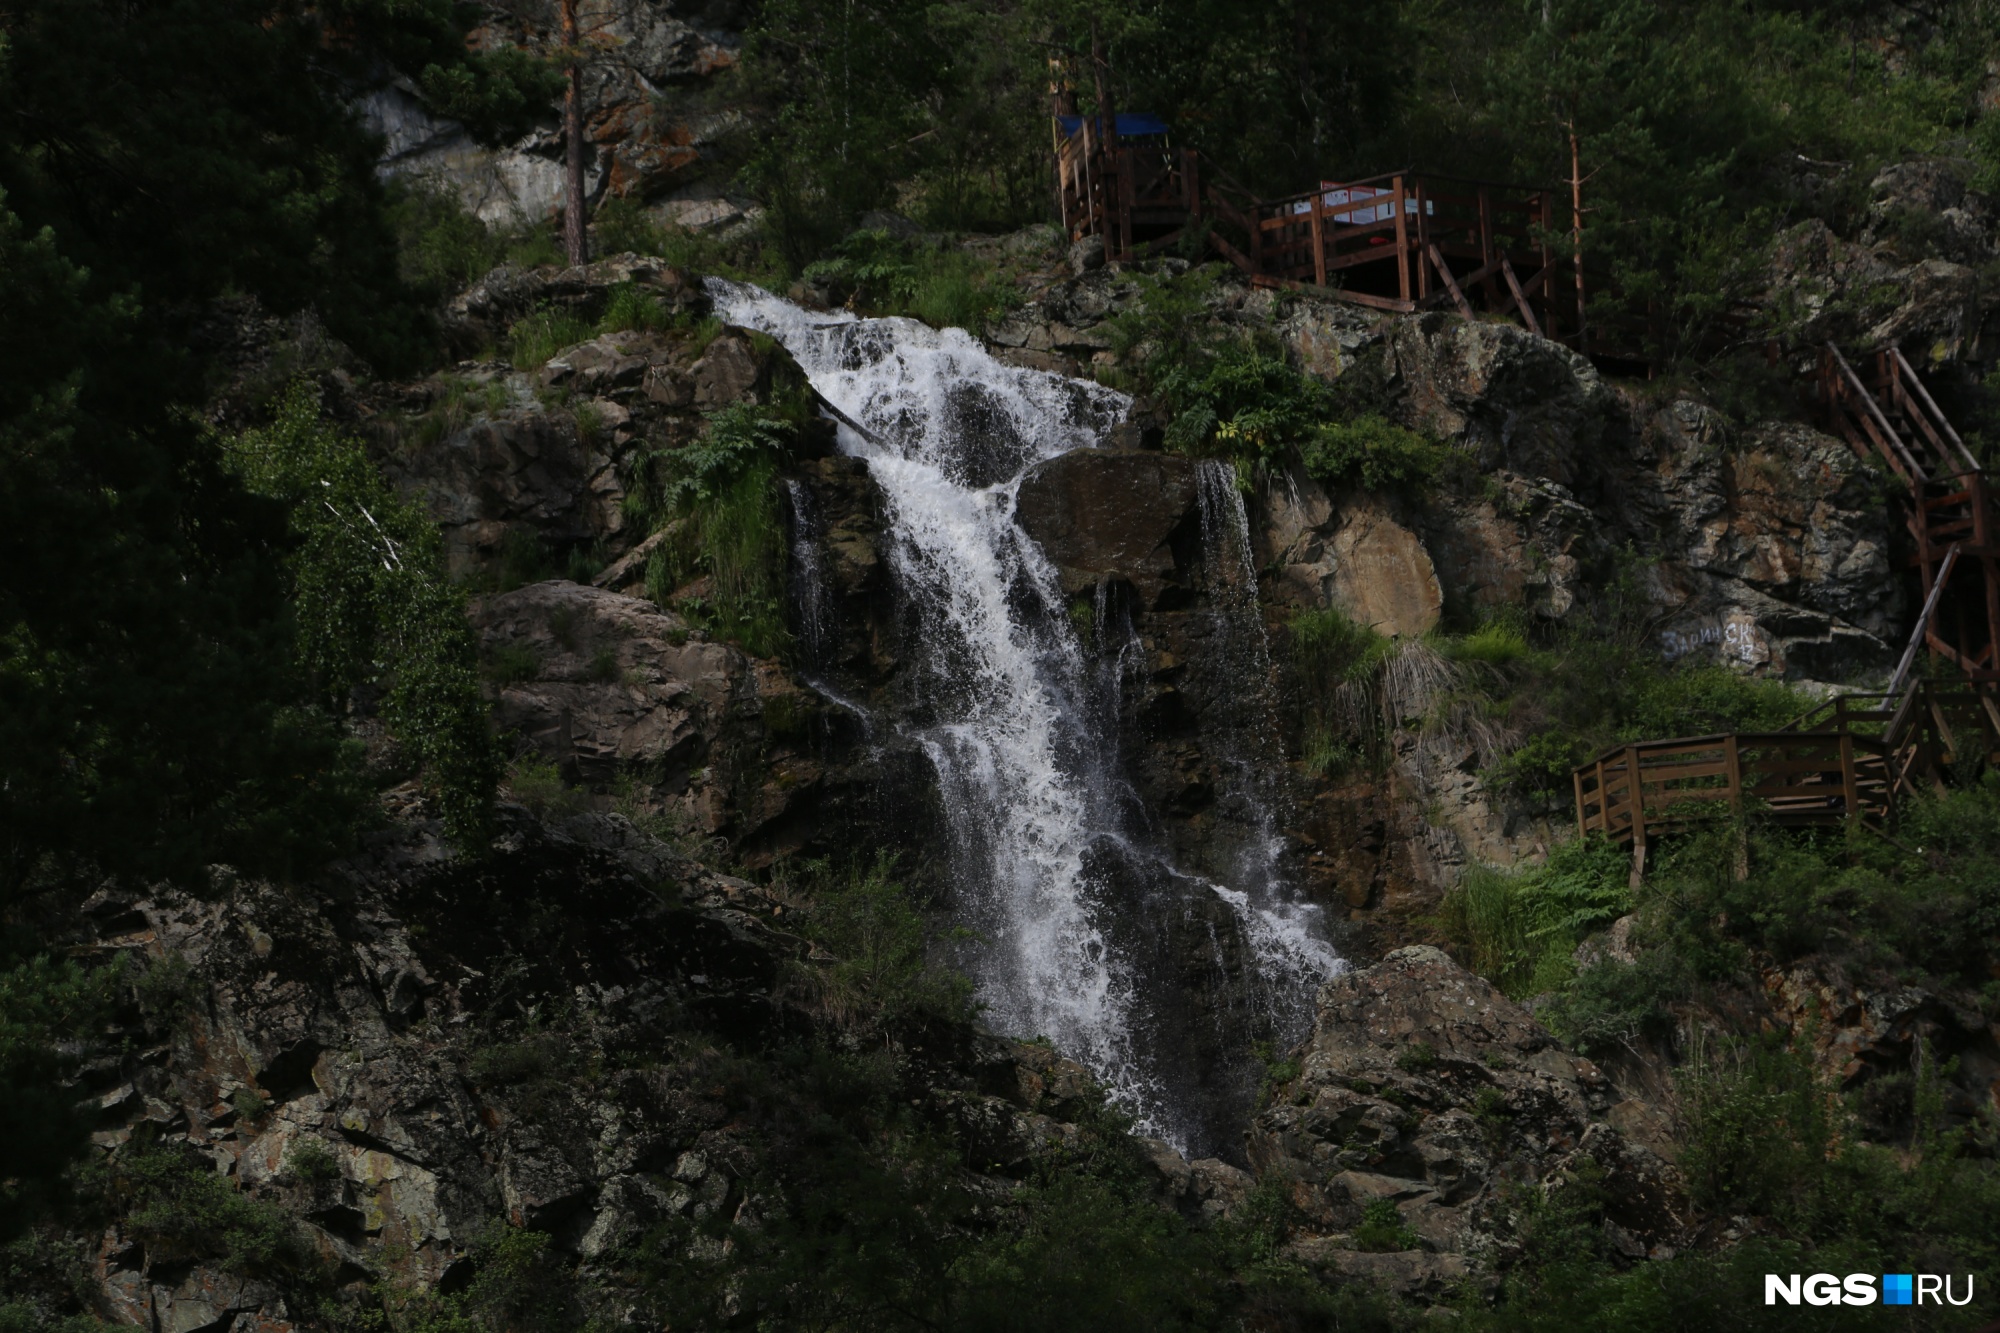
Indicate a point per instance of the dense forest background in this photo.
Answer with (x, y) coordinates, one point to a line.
(182, 627)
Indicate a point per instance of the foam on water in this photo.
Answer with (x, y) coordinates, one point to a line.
(1002, 699)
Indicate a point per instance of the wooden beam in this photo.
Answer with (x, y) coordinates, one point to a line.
(1402, 206)
(1318, 240)
(1520, 297)
(1451, 283)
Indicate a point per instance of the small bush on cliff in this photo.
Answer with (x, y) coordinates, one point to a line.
(1518, 928)
(717, 500)
(883, 275)
(1382, 1228)
(867, 920)
(373, 605)
(1333, 659)
(536, 337)
(179, 1204)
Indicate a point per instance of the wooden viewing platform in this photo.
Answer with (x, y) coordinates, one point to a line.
(1851, 758)
(1399, 241)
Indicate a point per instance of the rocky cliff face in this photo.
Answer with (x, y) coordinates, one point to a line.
(388, 1061)
(649, 115)
(1766, 546)
(1425, 1089)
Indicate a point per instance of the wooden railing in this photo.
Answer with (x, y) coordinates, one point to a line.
(1135, 193)
(1399, 241)
(1402, 241)
(1851, 758)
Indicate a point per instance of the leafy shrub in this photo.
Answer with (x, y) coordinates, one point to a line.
(1613, 1003)
(179, 1203)
(632, 307)
(1382, 1228)
(717, 498)
(865, 918)
(1378, 454)
(538, 784)
(1518, 928)
(373, 601)
(1417, 1057)
(309, 1160)
(442, 248)
(884, 275)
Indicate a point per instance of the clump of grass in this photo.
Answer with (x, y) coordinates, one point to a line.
(717, 499)
(459, 401)
(178, 1204)
(311, 1161)
(887, 276)
(538, 784)
(536, 337)
(633, 308)
(865, 918)
(1519, 928)
(510, 664)
(1382, 1229)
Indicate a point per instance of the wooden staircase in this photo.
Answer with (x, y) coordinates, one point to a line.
(1888, 414)
(1855, 756)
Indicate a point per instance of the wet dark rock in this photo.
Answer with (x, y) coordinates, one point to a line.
(1100, 515)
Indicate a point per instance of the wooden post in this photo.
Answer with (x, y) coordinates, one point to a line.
(1576, 228)
(1638, 797)
(1402, 242)
(1485, 198)
(1450, 283)
(1582, 826)
(1416, 260)
(1983, 538)
(1318, 236)
(1732, 760)
(1850, 792)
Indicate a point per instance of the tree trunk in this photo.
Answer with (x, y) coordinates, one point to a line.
(1576, 230)
(576, 241)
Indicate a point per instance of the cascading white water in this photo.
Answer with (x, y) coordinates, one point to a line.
(1001, 697)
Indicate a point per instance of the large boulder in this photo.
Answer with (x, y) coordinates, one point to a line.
(1353, 553)
(1423, 1086)
(1099, 515)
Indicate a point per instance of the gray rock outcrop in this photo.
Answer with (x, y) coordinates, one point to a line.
(1424, 1088)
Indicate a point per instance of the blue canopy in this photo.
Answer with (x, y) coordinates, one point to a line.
(1131, 125)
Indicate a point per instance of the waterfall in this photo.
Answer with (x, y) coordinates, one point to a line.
(810, 591)
(1053, 873)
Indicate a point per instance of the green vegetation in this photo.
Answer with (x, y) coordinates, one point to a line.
(1857, 1182)
(866, 919)
(941, 286)
(177, 1201)
(538, 784)
(536, 337)
(311, 1161)
(1333, 663)
(716, 498)
(1519, 928)
(1382, 1228)
(372, 601)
